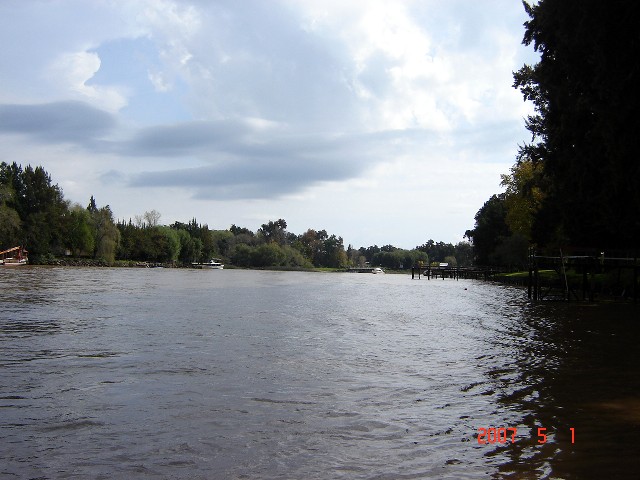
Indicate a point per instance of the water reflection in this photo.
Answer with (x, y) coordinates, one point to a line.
(580, 372)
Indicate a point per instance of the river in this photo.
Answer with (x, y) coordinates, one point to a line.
(235, 374)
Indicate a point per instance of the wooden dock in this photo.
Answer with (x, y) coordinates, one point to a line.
(578, 276)
(622, 271)
(455, 273)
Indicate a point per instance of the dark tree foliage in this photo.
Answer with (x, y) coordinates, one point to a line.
(399, 258)
(585, 91)
(240, 230)
(490, 231)
(369, 252)
(39, 205)
(274, 231)
(322, 249)
(437, 251)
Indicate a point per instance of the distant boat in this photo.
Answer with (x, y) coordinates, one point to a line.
(365, 270)
(212, 264)
(14, 257)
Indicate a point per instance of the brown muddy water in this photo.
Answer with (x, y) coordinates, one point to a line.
(167, 373)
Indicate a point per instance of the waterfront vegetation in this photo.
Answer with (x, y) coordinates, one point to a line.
(35, 214)
(576, 185)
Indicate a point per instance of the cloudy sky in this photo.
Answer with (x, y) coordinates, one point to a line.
(379, 121)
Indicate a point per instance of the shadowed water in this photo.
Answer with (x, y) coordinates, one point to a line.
(164, 373)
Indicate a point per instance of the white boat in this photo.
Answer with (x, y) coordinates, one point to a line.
(18, 257)
(212, 264)
(377, 270)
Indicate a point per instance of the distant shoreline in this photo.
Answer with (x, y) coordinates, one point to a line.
(94, 263)
(90, 262)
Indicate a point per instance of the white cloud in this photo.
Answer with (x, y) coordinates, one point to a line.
(160, 83)
(339, 113)
(72, 71)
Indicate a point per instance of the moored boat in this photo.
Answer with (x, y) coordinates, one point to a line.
(213, 264)
(13, 257)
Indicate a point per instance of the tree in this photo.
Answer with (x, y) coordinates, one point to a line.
(451, 260)
(209, 247)
(152, 218)
(10, 224)
(92, 207)
(369, 252)
(399, 258)
(437, 251)
(268, 255)
(464, 254)
(523, 196)
(584, 132)
(80, 236)
(295, 259)
(39, 204)
(355, 257)
(490, 230)
(10, 227)
(165, 244)
(222, 239)
(311, 245)
(333, 253)
(190, 248)
(241, 255)
(240, 230)
(274, 231)
(511, 252)
(107, 235)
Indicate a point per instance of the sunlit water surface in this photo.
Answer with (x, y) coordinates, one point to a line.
(169, 373)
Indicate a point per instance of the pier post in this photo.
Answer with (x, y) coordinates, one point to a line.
(592, 271)
(635, 283)
(585, 284)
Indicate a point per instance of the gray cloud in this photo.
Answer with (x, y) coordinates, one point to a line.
(112, 177)
(243, 179)
(242, 159)
(270, 165)
(57, 122)
(183, 138)
(269, 170)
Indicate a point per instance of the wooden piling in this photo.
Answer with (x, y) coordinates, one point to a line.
(636, 270)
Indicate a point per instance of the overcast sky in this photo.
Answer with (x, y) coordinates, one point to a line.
(379, 121)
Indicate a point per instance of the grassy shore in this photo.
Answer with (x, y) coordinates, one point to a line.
(613, 285)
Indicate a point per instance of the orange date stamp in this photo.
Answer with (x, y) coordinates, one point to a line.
(508, 434)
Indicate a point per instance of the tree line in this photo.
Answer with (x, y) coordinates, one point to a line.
(34, 213)
(576, 184)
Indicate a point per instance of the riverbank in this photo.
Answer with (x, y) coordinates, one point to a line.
(610, 286)
(90, 262)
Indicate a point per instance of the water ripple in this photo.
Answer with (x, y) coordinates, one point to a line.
(117, 373)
